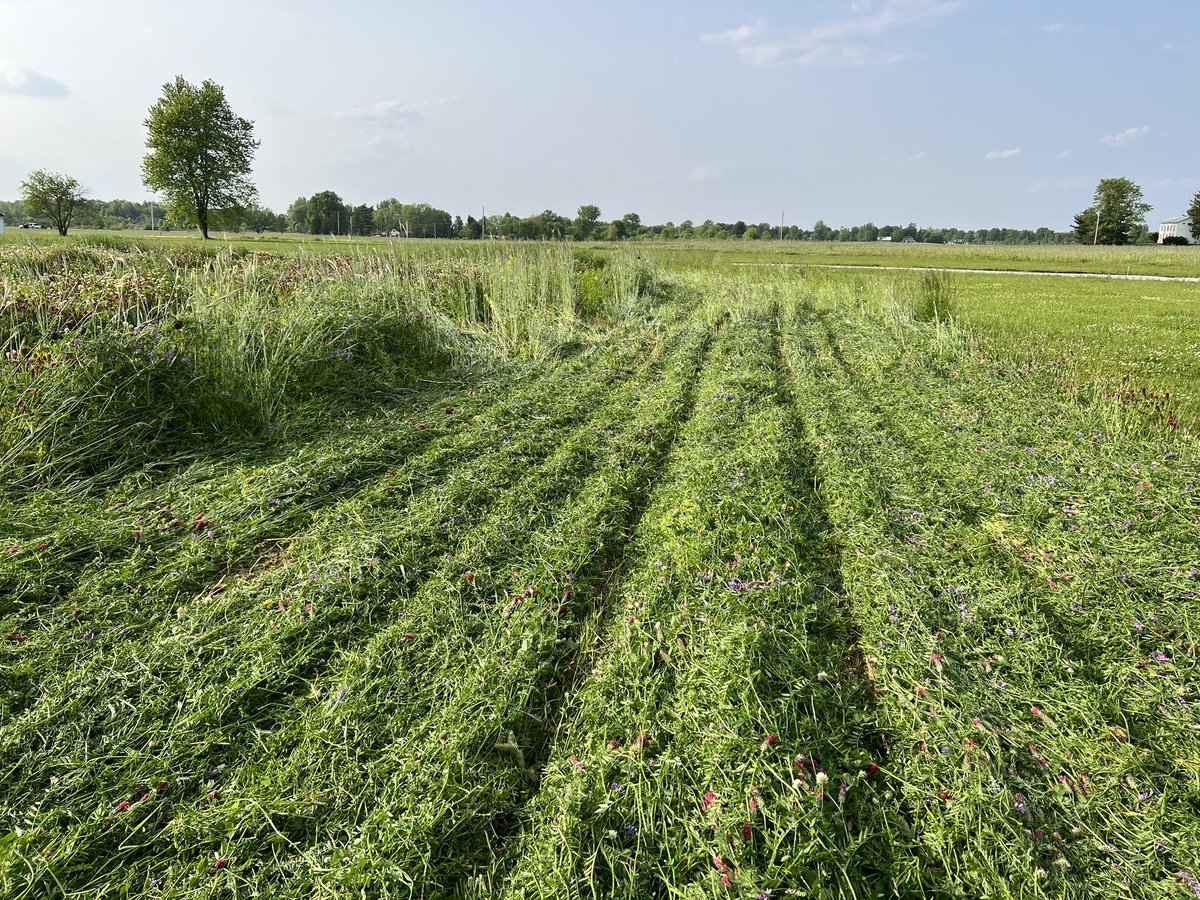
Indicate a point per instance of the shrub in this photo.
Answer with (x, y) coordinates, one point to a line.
(1176, 240)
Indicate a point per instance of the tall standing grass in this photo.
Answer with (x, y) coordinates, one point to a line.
(115, 357)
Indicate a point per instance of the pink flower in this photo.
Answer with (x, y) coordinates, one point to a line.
(1035, 710)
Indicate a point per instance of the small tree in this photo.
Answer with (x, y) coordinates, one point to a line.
(200, 153)
(1115, 215)
(1193, 212)
(57, 197)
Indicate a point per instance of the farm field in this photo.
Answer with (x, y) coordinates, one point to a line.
(1152, 259)
(534, 573)
(1178, 262)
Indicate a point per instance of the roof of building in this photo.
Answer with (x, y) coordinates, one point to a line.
(1178, 220)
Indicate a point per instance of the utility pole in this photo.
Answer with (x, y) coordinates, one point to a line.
(781, 215)
(1096, 239)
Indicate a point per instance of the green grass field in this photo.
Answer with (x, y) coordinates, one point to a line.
(1182, 262)
(1133, 260)
(526, 572)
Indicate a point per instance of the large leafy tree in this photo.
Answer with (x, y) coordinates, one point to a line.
(327, 214)
(587, 220)
(362, 220)
(200, 153)
(59, 198)
(1116, 216)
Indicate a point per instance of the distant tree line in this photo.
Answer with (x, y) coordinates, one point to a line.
(327, 213)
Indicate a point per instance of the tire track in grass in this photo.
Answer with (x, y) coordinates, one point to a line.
(869, 547)
(456, 639)
(118, 611)
(87, 565)
(419, 487)
(211, 746)
(719, 647)
(594, 598)
(105, 542)
(1057, 827)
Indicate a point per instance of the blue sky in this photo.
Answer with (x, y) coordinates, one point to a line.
(943, 112)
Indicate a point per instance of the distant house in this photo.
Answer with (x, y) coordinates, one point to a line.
(1, 223)
(908, 239)
(1180, 226)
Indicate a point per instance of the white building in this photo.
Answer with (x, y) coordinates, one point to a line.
(1, 223)
(1180, 226)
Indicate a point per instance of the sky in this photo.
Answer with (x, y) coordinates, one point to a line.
(967, 113)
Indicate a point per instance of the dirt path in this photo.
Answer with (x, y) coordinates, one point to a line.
(1112, 275)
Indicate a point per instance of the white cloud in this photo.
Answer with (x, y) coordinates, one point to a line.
(845, 42)
(1066, 153)
(703, 172)
(24, 82)
(1004, 154)
(384, 114)
(1129, 134)
(917, 157)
